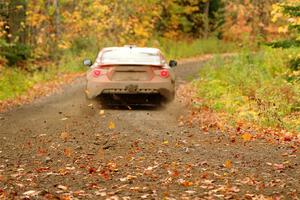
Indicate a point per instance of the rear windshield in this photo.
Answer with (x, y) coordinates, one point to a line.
(130, 56)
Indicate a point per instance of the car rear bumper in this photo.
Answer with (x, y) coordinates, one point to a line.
(164, 88)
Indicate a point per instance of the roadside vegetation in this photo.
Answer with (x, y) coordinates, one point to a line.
(259, 87)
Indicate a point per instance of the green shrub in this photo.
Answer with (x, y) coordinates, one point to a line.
(294, 64)
(15, 53)
(252, 85)
(13, 82)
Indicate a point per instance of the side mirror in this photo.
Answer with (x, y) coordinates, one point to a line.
(88, 62)
(173, 63)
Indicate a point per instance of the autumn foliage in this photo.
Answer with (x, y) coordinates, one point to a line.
(43, 29)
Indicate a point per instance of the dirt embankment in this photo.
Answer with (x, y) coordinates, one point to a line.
(64, 147)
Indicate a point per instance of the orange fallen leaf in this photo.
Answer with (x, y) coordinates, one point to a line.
(246, 137)
(105, 175)
(186, 183)
(3, 194)
(41, 152)
(63, 172)
(68, 152)
(228, 164)
(175, 173)
(64, 136)
(65, 197)
(112, 125)
(112, 166)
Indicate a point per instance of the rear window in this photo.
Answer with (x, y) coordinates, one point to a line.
(130, 56)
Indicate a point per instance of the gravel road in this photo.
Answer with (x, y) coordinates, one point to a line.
(65, 147)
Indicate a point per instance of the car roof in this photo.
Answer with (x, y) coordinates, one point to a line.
(131, 55)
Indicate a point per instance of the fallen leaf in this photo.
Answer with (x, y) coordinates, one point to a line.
(234, 189)
(2, 194)
(175, 173)
(228, 164)
(64, 136)
(112, 125)
(186, 183)
(100, 154)
(105, 175)
(101, 112)
(79, 193)
(288, 137)
(102, 194)
(20, 185)
(190, 192)
(31, 193)
(123, 179)
(246, 137)
(130, 177)
(63, 172)
(278, 166)
(68, 152)
(180, 124)
(65, 197)
(112, 166)
(62, 187)
(92, 170)
(145, 196)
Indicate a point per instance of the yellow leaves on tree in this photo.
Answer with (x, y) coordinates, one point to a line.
(246, 20)
(2, 31)
(283, 19)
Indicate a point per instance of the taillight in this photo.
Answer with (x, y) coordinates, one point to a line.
(164, 73)
(96, 73)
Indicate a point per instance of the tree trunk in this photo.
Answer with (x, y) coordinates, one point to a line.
(57, 19)
(206, 19)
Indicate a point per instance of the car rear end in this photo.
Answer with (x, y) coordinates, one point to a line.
(130, 80)
(130, 74)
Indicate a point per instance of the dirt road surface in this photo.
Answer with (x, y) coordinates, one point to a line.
(65, 147)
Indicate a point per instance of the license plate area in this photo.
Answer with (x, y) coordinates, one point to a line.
(130, 76)
(131, 88)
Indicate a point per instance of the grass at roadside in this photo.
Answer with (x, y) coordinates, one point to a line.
(15, 82)
(253, 87)
(185, 49)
